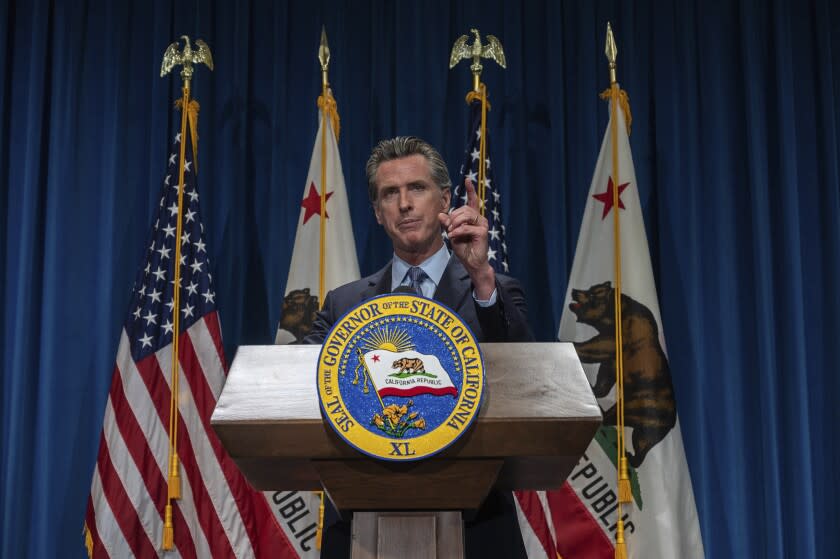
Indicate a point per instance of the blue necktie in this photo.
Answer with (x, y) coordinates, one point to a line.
(416, 275)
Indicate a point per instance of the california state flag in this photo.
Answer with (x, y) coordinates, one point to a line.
(579, 520)
(340, 265)
(297, 512)
(408, 373)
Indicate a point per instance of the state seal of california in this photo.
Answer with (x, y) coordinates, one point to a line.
(400, 377)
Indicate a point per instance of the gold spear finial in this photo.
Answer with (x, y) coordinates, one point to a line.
(492, 50)
(611, 51)
(324, 57)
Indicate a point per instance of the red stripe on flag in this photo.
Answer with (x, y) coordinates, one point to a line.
(272, 538)
(251, 504)
(99, 551)
(205, 402)
(144, 459)
(135, 441)
(202, 394)
(121, 506)
(182, 537)
(138, 446)
(418, 390)
(156, 384)
(579, 536)
(212, 322)
(529, 501)
(207, 515)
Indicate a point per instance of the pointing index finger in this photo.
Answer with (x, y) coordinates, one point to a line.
(472, 197)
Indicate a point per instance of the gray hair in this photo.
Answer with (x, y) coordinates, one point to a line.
(403, 146)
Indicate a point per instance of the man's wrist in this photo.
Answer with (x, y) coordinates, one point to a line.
(484, 282)
(485, 302)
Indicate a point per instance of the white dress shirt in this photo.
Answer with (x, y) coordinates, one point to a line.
(433, 267)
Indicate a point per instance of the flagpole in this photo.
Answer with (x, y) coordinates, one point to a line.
(324, 59)
(481, 188)
(370, 377)
(324, 105)
(494, 51)
(624, 493)
(186, 58)
(482, 167)
(174, 483)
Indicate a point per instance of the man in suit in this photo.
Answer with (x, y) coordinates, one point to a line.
(409, 188)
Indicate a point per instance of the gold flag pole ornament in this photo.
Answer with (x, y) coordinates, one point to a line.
(189, 112)
(476, 51)
(618, 100)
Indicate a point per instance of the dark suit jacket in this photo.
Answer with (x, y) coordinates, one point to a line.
(505, 321)
(493, 530)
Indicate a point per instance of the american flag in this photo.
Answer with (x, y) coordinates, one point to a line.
(219, 513)
(497, 250)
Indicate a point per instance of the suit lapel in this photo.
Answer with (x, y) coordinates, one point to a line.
(379, 283)
(454, 287)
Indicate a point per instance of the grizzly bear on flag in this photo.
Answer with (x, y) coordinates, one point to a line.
(649, 406)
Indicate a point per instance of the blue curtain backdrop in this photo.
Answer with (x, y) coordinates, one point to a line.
(735, 141)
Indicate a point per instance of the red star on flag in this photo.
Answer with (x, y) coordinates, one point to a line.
(607, 197)
(376, 359)
(312, 203)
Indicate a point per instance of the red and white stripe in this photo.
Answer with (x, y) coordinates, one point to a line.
(557, 525)
(219, 514)
(534, 525)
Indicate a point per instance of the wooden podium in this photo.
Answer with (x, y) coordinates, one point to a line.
(538, 417)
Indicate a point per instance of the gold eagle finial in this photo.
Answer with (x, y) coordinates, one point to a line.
(476, 51)
(187, 57)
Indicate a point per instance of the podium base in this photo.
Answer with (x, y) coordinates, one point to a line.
(407, 535)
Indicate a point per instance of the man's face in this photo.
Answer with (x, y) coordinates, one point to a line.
(407, 206)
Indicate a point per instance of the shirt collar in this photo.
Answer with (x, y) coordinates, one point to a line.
(434, 266)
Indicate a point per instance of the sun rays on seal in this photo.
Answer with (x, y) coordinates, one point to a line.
(389, 339)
